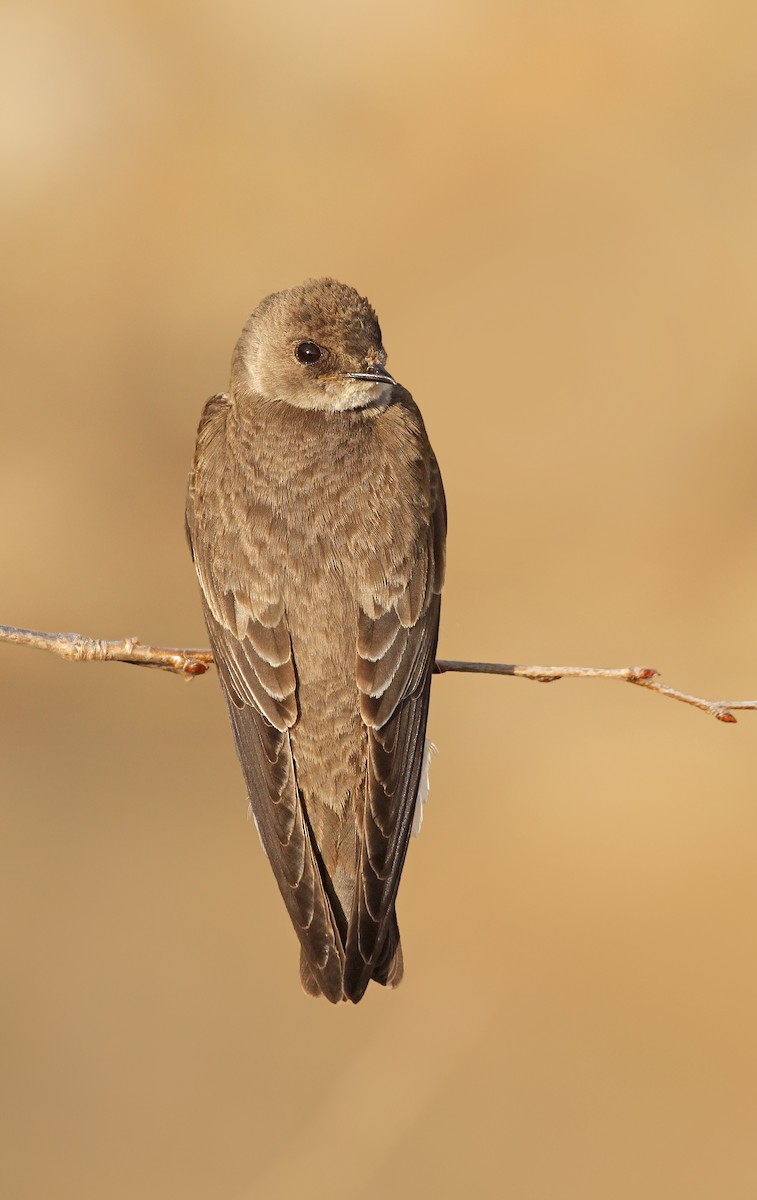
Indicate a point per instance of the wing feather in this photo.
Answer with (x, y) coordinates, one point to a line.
(395, 660)
(265, 754)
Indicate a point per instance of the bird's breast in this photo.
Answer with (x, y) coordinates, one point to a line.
(322, 494)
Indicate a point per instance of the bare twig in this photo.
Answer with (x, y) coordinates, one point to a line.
(192, 662)
(78, 648)
(641, 676)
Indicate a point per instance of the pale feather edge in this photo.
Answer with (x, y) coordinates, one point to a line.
(424, 786)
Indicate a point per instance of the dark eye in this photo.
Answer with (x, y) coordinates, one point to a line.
(308, 352)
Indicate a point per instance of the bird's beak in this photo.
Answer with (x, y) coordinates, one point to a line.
(375, 373)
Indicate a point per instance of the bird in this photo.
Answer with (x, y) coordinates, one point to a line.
(317, 522)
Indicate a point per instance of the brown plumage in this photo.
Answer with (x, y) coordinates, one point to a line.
(316, 518)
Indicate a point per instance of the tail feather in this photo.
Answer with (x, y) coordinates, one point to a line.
(390, 967)
(388, 970)
(307, 978)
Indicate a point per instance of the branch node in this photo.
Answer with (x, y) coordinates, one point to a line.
(193, 668)
(82, 649)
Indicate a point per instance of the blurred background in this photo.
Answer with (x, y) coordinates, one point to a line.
(552, 208)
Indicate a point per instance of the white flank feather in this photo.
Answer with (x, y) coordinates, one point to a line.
(423, 787)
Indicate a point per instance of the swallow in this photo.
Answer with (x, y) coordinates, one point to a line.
(317, 524)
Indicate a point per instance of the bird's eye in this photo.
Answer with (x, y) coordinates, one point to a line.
(307, 353)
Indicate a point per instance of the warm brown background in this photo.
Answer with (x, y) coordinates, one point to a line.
(552, 207)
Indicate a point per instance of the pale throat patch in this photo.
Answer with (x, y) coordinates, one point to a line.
(345, 395)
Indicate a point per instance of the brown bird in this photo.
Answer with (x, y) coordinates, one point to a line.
(317, 524)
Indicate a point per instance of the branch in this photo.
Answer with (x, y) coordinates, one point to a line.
(77, 648)
(641, 676)
(192, 662)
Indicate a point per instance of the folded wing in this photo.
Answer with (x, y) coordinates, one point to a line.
(396, 648)
(253, 653)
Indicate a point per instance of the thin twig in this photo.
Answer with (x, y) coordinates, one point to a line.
(77, 648)
(641, 676)
(192, 662)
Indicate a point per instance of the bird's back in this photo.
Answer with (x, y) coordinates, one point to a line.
(323, 516)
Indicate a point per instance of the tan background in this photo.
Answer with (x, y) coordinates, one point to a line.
(552, 207)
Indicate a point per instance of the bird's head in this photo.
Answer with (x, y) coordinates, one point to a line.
(314, 346)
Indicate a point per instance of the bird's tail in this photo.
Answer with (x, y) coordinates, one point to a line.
(388, 970)
(390, 966)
